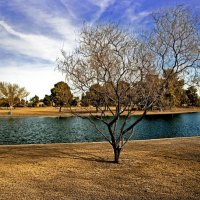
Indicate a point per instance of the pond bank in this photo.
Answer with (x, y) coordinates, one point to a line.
(153, 169)
(52, 111)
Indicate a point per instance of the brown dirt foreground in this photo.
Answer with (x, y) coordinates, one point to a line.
(154, 169)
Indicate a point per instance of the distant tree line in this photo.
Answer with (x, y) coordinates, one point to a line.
(174, 96)
(60, 96)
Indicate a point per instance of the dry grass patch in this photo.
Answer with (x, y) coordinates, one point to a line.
(156, 169)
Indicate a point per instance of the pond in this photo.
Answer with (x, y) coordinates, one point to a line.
(42, 130)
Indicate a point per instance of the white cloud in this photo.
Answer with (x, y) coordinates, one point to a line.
(103, 5)
(137, 17)
(133, 12)
(38, 13)
(18, 39)
(37, 79)
(40, 45)
(69, 10)
(36, 46)
(61, 24)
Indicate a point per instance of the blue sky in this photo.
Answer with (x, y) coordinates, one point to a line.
(32, 32)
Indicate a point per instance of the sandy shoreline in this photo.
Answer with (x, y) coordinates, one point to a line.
(53, 112)
(153, 169)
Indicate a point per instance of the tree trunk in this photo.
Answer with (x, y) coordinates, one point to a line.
(60, 109)
(10, 112)
(117, 151)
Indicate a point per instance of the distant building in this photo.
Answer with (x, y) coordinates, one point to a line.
(40, 104)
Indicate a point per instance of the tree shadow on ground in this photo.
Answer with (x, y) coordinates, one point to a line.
(34, 153)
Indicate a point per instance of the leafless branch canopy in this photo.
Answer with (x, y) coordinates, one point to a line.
(124, 71)
(175, 42)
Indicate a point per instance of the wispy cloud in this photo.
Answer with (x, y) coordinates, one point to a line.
(59, 28)
(37, 46)
(103, 5)
(137, 17)
(54, 21)
(45, 45)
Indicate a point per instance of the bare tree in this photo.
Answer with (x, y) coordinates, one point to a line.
(129, 70)
(175, 43)
(12, 93)
(118, 62)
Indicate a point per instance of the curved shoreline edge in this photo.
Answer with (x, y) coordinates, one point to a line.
(52, 112)
(103, 142)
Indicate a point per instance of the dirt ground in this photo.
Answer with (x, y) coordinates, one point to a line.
(53, 111)
(153, 169)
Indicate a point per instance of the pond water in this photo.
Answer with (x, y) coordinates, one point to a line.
(37, 130)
